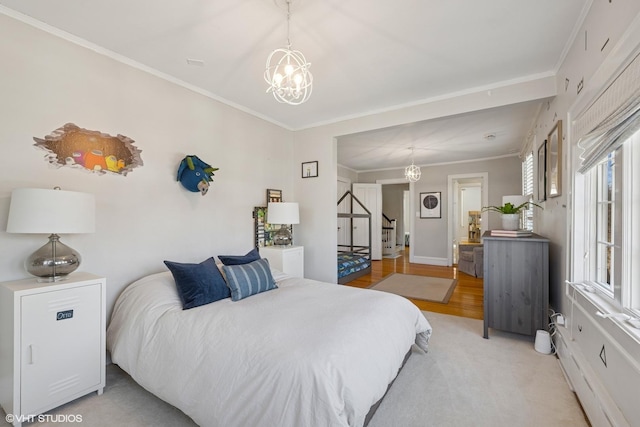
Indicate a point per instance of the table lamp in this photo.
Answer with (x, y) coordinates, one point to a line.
(283, 213)
(44, 211)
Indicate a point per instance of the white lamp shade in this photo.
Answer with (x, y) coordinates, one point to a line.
(515, 200)
(36, 210)
(283, 213)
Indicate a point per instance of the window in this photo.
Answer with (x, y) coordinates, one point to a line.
(606, 197)
(611, 220)
(527, 189)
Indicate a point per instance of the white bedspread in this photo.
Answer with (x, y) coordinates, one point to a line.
(306, 354)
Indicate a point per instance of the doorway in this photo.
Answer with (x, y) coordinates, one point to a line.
(407, 216)
(467, 194)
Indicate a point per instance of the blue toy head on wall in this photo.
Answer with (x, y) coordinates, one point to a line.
(195, 175)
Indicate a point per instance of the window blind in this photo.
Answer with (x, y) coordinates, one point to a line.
(611, 119)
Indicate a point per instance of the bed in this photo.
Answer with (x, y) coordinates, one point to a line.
(351, 265)
(354, 250)
(305, 354)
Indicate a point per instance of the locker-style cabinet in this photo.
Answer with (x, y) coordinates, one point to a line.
(52, 343)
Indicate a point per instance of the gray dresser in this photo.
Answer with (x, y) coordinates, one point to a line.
(516, 283)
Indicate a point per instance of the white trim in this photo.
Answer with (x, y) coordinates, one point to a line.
(472, 91)
(574, 33)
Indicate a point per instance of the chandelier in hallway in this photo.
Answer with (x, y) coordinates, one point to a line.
(412, 172)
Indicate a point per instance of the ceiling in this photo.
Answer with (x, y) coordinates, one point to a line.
(367, 56)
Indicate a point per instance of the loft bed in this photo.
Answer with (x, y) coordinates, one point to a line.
(353, 260)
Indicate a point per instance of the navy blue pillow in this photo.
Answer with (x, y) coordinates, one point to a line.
(198, 284)
(251, 256)
(249, 279)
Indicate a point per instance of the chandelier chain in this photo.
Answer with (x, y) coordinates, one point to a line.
(289, 24)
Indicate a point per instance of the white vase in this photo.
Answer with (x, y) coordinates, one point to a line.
(510, 221)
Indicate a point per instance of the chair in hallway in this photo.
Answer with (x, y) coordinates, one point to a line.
(470, 259)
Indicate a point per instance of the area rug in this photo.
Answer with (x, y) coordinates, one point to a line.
(436, 289)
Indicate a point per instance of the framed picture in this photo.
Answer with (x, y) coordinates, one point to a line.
(263, 231)
(274, 195)
(430, 206)
(542, 172)
(554, 161)
(310, 169)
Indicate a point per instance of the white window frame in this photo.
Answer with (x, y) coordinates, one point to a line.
(623, 293)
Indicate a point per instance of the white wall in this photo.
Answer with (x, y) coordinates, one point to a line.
(145, 217)
(605, 21)
(607, 391)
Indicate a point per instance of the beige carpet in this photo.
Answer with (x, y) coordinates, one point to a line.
(463, 381)
(424, 288)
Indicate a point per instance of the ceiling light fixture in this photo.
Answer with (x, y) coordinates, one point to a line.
(412, 173)
(287, 72)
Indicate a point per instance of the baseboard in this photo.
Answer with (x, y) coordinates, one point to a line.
(429, 260)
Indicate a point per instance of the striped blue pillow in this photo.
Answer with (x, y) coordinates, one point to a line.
(249, 279)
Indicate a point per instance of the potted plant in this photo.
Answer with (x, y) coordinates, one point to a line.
(510, 213)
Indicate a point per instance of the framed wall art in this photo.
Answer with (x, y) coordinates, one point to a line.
(554, 161)
(542, 172)
(430, 205)
(274, 195)
(310, 169)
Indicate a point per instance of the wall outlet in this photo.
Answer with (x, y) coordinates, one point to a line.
(560, 320)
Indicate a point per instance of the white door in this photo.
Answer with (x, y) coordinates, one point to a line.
(369, 195)
(344, 229)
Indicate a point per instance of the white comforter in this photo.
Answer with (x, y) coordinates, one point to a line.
(306, 354)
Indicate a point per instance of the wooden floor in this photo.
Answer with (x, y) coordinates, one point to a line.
(466, 300)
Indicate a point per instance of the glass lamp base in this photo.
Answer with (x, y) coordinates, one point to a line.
(53, 261)
(283, 237)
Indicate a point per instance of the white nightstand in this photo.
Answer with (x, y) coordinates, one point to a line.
(52, 343)
(288, 259)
